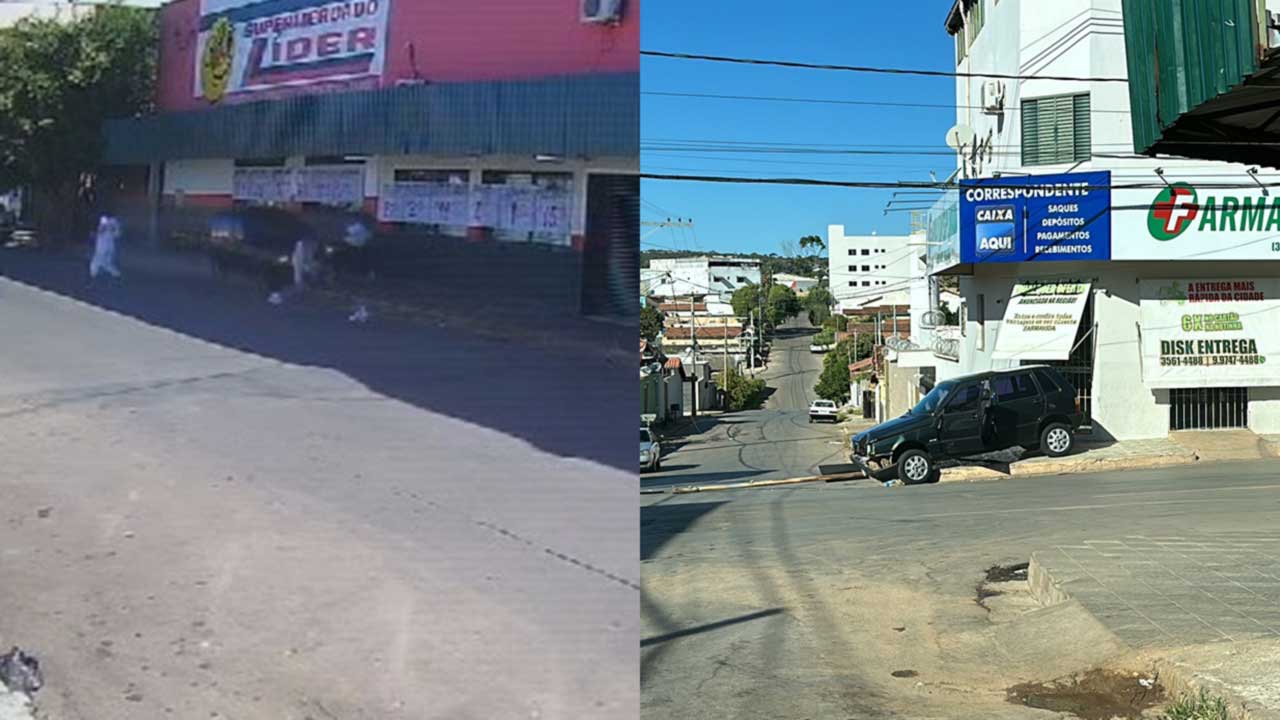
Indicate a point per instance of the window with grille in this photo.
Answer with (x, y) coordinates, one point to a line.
(1055, 129)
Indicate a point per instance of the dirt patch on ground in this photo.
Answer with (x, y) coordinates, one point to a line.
(1094, 695)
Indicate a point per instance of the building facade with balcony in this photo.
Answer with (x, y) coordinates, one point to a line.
(1151, 281)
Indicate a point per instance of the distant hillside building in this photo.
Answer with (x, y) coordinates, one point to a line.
(802, 285)
(700, 276)
(868, 269)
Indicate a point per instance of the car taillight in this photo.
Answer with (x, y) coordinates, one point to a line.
(1077, 404)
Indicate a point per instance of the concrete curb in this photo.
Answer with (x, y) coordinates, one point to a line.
(1269, 447)
(1177, 680)
(680, 490)
(1067, 465)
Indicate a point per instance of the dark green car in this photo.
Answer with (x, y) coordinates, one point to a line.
(1033, 406)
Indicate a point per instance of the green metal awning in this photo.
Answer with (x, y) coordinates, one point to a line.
(1203, 82)
(593, 115)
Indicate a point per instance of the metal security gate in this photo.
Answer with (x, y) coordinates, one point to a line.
(1208, 408)
(1078, 368)
(611, 257)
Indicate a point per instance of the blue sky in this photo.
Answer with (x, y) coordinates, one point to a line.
(747, 218)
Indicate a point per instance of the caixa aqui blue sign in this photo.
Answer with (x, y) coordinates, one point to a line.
(1036, 218)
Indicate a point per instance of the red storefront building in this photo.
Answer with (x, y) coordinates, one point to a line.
(510, 124)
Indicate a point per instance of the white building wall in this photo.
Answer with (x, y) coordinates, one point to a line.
(1123, 407)
(1082, 38)
(714, 276)
(889, 264)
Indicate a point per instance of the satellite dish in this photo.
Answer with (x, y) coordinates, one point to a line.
(960, 136)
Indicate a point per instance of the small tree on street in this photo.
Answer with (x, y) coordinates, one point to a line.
(651, 320)
(833, 383)
(741, 392)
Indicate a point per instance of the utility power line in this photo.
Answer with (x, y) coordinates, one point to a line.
(832, 101)
(870, 68)
(911, 184)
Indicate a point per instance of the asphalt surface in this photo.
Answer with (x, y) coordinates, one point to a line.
(216, 508)
(799, 601)
(774, 442)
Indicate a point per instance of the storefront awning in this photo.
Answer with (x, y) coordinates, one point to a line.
(1210, 332)
(1042, 320)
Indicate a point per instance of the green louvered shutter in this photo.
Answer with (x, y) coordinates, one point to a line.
(1055, 130)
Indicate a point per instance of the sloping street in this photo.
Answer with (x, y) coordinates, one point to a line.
(774, 442)
(218, 508)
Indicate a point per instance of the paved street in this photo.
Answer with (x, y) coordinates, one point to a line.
(801, 601)
(774, 442)
(216, 508)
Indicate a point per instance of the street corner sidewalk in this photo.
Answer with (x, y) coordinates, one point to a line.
(1089, 457)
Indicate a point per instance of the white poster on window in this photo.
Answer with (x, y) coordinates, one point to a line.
(518, 209)
(1041, 320)
(1211, 332)
(263, 185)
(483, 205)
(553, 212)
(331, 186)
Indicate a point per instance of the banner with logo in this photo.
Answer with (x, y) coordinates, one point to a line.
(1041, 320)
(518, 208)
(251, 45)
(1036, 218)
(1195, 221)
(1211, 332)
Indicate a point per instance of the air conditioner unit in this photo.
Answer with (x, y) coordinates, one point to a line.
(601, 11)
(993, 97)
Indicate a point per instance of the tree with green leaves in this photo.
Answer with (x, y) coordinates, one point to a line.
(819, 302)
(741, 392)
(833, 383)
(782, 304)
(61, 81)
(651, 320)
(745, 299)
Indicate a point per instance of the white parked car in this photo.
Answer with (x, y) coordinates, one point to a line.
(816, 348)
(650, 451)
(823, 410)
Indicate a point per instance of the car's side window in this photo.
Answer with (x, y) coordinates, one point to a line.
(1014, 387)
(964, 399)
(1047, 383)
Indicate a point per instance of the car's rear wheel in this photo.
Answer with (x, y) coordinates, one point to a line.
(915, 466)
(1056, 439)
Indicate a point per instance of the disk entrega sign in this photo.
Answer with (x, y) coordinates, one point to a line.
(1218, 333)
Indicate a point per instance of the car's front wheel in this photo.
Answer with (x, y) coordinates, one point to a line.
(1056, 439)
(915, 466)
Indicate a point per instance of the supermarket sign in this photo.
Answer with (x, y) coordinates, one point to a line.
(1184, 221)
(252, 45)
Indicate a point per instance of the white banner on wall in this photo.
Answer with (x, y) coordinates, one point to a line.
(250, 45)
(331, 186)
(1210, 332)
(503, 207)
(1041, 320)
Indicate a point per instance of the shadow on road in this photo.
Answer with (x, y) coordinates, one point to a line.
(647, 481)
(659, 524)
(562, 403)
(707, 627)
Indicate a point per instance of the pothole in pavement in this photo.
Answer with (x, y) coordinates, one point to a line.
(998, 574)
(1093, 695)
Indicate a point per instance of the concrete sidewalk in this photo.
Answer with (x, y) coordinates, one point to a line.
(1180, 448)
(1204, 607)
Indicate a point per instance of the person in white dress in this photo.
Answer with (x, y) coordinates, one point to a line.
(104, 247)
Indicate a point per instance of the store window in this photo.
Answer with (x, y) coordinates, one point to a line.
(1056, 129)
(525, 222)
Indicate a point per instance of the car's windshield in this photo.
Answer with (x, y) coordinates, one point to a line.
(930, 402)
(644, 436)
(824, 404)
